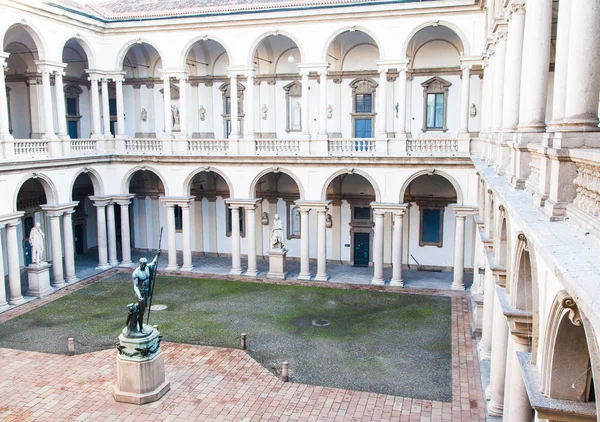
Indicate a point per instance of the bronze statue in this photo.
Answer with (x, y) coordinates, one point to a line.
(143, 278)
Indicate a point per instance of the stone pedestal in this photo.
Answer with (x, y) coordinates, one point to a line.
(39, 280)
(277, 265)
(140, 374)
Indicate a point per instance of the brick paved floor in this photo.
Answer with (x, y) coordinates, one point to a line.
(215, 384)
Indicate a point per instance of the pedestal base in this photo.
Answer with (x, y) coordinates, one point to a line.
(39, 280)
(277, 264)
(140, 374)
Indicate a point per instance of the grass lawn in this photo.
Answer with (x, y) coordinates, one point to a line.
(381, 342)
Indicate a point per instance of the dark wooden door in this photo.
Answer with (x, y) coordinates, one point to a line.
(361, 249)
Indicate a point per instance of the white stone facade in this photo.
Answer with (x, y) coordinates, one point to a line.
(405, 132)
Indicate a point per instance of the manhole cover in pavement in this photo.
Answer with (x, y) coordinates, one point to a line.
(158, 307)
(320, 323)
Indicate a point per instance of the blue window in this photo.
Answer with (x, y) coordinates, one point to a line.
(228, 105)
(363, 103)
(435, 111)
(112, 106)
(73, 130)
(71, 106)
(362, 128)
(431, 227)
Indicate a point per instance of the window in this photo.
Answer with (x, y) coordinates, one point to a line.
(178, 218)
(293, 99)
(435, 111)
(363, 91)
(293, 221)
(225, 89)
(112, 108)
(435, 99)
(242, 221)
(72, 93)
(432, 224)
(362, 213)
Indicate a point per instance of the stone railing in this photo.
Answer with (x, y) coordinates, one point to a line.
(208, 146)
(534, 173)
(31, 148)
(432, 146)
(143, 145)
(587, 185)
(277, 146)
(352, 146)
(83, 146)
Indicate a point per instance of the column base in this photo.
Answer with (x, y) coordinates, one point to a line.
(304, 277)
(171, 268)
(488, 392)
(4, 307)
(58, 284)
(483, 354)
(397, 283)
(251, 273)
(103, 266)
(495, 410)
(71, 280)
(321, 277)
(457, 286)
(237, 271)
(17, 301)
(113, 263)
(96, 136)
(49, 137)
(187, 268)
(378, 281)
(126, 264)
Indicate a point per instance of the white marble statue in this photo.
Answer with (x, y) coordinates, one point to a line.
(277, 233)
(36, 240)
(175, 113)
(144, 115)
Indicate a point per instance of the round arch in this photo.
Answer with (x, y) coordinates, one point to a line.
(85, 45)
(501, 249)
(343, 59)
(190, 179)
(451, 26)
(353, 171)
(256, 43)
(452, 180)
(125, 49)
(352, 29)
(190, 44)
(130, 173)
(94, 177)
(49, 188)
(32, 30)
(252, 193)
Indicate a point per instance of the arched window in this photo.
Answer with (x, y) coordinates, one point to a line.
(293, 102)
(363, 98)
(435, 98)
(225, 89)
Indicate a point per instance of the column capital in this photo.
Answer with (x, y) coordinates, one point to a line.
(58, 210)
(123, 199)
(116, 76)
(464, 210)
(100, 201)
(12, 219)
(45, 66)
(316, 205)
(313, 67)
(94, 74)
(171, 201)
(242, 203)
(389, 207)
(3, 57)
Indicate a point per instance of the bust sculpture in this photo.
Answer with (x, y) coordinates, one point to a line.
(36, 240)
(277, 233)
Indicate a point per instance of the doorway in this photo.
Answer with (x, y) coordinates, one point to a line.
(361, 249)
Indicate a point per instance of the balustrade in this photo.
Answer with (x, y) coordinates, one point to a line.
(31, 148)
(208, 146)
(587, 185)
(83, 146)
(277, 146)
(432, 146)
(143, 145)
(534, 174)
(352, 146)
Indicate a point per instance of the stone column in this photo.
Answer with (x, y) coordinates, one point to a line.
(125, 231)
(112, 234)
(186, 228)
(233, 90)
(69, 247)
(105, 109)
(381, 120)
(60, 104)
(14, 267)
(57, 264)
(498, 364)
(4, 128)
(514, 51)
(3, 302)
(251, 239)
(95, 112)
(498, 89)
(321, 245)
(48, 112)
(304, 244)
(459, 253)
(488, 85)
(518, 406)
(397, 249)
(183, 105)
(249, 131)
(485, 348)
(236, 261)
(323, 103)
(167, 114)
(535, 67)
(378, 248)
(463, 130)
(561, 63)
(120, 106)
(401, 129)
(583, 82)
(102, 243)
(171, 241)
(305, 101)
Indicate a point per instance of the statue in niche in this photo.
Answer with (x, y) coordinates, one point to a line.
(36, 240)
(277, 233)
(144, 115)
(328, 221)
(175, 114)
(297, 116)
(329, 112)
(202, 113)
(265, 219)
(264, 110)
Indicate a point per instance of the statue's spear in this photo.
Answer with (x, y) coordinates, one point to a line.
(153, 279)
